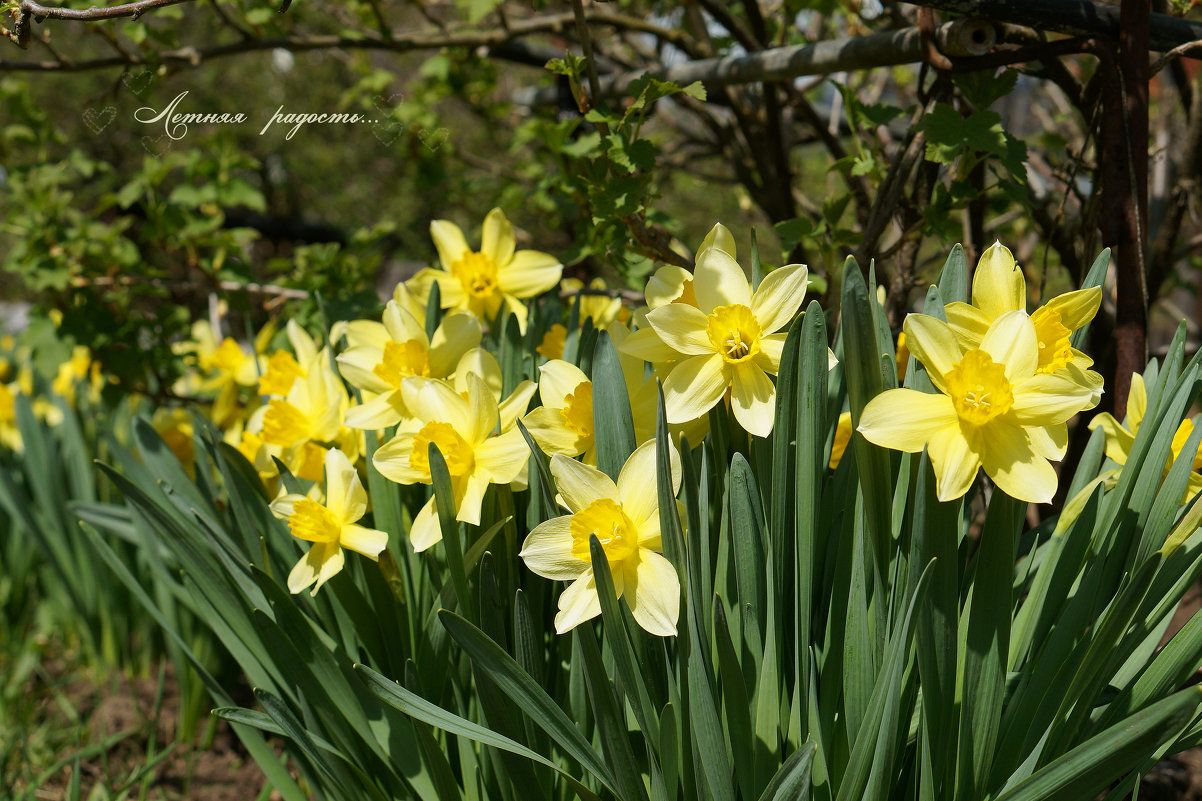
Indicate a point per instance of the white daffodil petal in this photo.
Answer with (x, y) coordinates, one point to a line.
(694, 387)
(753, 399)
(547, 551)
(578, 603)
(578, 484)
(496, 238)
(367, 541)
(557, 379)
(449, 241)
(652, 590)
(682, 328)
(779, 297)
(639, 479)
(719, 281)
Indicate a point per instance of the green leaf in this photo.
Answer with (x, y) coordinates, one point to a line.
(1091, 766)
(792, 781)
(415, 706)
(524, 691)
(613, 428)
(948, 134)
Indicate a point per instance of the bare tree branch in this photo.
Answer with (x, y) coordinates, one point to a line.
(30, 11)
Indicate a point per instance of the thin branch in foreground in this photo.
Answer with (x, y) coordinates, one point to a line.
(30, 11)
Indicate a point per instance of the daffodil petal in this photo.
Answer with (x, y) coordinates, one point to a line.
(344, 493)
(1137, 402)
(516, 404)
(557, 379)
(779, 297)
(932, 342)
(1012, 463)
(1078, 307)
(549, 428)
(357, 365)
(469, 493)
(320, 564)
(392, 461)
(529, 273)
(366, 333)
(955, 461)
(457, 334)
(502, 457)
(753, 399)
(448, 239)
(719, 237)
(515, 307)
(579, 602)
(682, 328)
(1050, 442)
(998, 285)
(383, 411)
(645, 344)
(906, 419)
(666, 285)
(547, 551)
(1048, 399)
(638, 481)
(426, 531)
(403, 326)
(360, 539)
(302, 344)
(482, 364)
(435, 400)
(282, 507)
(693, 387)
(771, 348)
(719, 281)
(1118, 439)
(485, 415)
(968, 323)
(652, 590)
(1012, 341)
(578, 484)
(496, 238)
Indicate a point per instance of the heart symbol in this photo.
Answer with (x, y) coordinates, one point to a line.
(434, 139)
(139, 83)
(386, 131)
(97, 121)
(387, 104)
(156, 146)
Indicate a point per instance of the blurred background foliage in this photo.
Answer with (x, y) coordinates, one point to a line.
(473, 104)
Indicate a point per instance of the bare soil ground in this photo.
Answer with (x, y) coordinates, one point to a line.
(218, 770)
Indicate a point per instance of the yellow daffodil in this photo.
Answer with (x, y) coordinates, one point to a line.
(1120, 438)
(382, 355)
(329, 524)
(998, 287)
(10, 435)
(644, 396)
(624, 516)
(464, 429)
(553, 342)
(311, 414)
(729, 341)
(283, 368)
(485, 280)
(564, 423)
(672, 284)
(994, 409)
(603, 309)
(842, 439)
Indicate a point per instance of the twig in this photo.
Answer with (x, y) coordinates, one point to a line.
(272, 290)
(29, 11)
